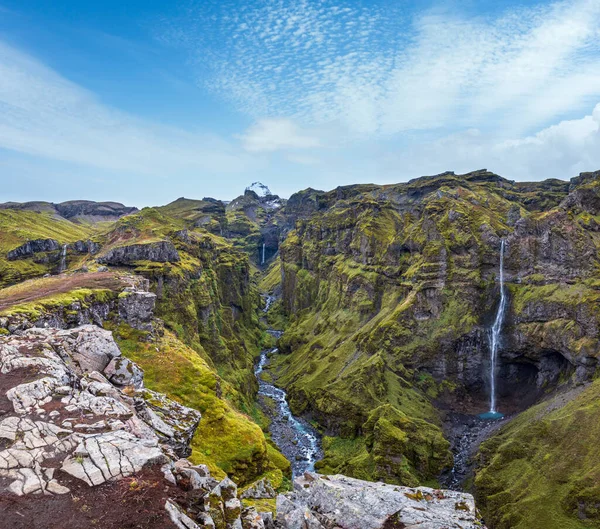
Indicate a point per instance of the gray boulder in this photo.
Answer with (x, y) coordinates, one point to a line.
(123, 372)
(92, 348)
(262, 489)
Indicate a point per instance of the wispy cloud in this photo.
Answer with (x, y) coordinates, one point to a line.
(45, 115)
(381, 71)
(269, 135)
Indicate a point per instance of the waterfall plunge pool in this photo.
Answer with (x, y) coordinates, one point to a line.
(491, 415)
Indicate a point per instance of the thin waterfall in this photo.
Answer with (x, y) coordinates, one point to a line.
(496, 332)
(263, 254)
(62, 266)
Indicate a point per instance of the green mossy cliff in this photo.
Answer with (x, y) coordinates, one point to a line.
(389, 291)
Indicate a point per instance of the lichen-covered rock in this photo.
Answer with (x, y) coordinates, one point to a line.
(91, 348)
(65, 413)
(224, 506)
(111, 455)
(347, 503)
(174, 423)
(262, 489)
(123, 372)
(251, 519)
(180, 519)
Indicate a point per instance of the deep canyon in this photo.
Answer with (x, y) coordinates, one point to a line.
(441, 332)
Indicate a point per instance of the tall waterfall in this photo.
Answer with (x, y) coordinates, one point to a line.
(263, 254)
(496, 332)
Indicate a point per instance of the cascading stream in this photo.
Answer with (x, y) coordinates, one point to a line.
(62, 266)
(294, 436)
(296, 439)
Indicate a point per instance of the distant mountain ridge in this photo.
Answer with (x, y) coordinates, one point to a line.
(76, 210)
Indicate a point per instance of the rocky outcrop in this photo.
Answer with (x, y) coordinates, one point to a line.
(30, 248)
(321, 502)
(133, 306)
(174, 424)
(63, 417)
(87, 209)
(160, 252)
(83, 247)
(262, 489)
(554, 245)
(136, 308)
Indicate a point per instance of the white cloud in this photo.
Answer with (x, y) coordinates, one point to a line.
(559, 151)
(44, 115)
(373, 71)
(269, 135)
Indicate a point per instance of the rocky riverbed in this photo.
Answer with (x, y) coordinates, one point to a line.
(465, 433)
(294, 436)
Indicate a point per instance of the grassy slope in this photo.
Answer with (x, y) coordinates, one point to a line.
(543, 469)
(227, 440)
(17, 227)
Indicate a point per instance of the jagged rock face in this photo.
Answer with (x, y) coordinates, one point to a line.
(320, 502)
(133, 306)
(83, 247)
(30, 248)
(555, 245)
(174, 424)
(50, 252)
(159, 252)
(60, 411)
(97, 210)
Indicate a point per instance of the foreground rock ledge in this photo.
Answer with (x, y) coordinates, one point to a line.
(69, 401)
(75, 418)
(346, 503)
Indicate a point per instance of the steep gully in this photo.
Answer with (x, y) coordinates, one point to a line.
(300, 443)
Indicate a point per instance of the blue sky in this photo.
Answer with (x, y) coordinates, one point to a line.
(143, 102)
